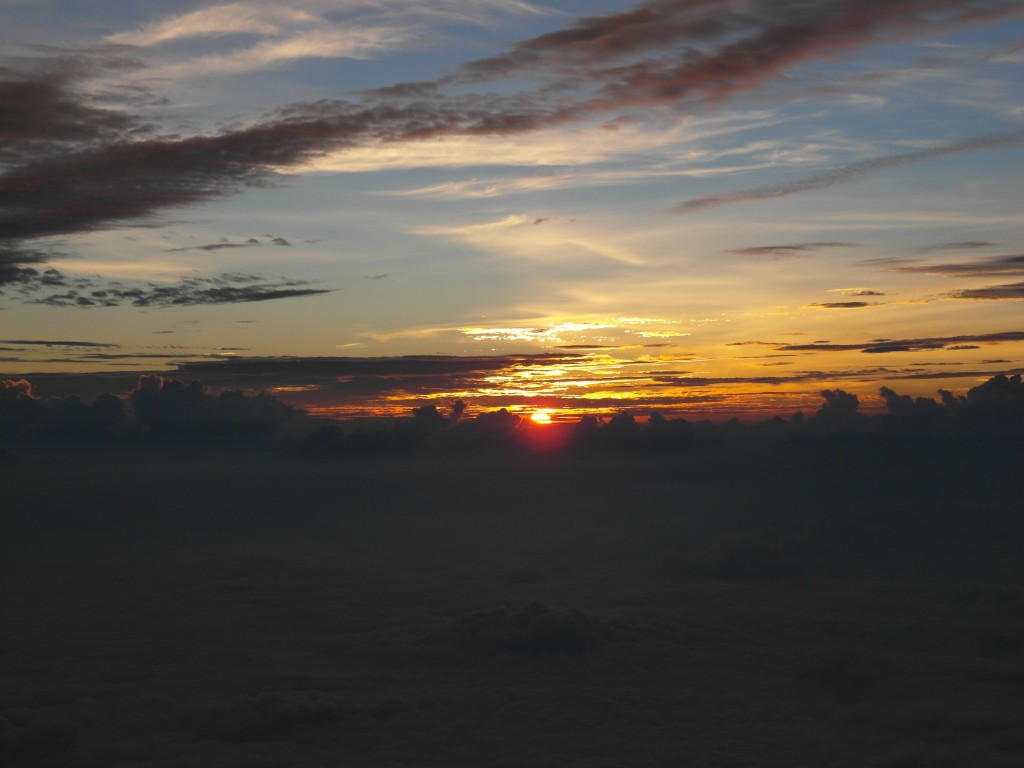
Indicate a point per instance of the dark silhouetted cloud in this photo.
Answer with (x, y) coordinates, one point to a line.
(907, 345)
(51, 343)
(844, 305)
(845, 173)
(992, 292)
(226, 288)
(1010, 264)
(666, 51)
(251, 242)
(788, 251)
(41, 113)
(960, 246)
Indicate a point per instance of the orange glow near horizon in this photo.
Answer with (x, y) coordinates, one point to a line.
(542, 416)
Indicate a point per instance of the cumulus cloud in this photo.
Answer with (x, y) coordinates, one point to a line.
(846, 173)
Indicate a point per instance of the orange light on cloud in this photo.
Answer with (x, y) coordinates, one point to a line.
(541, 416)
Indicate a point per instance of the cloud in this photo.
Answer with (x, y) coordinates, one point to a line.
(907, 345)
(329, 43)
(265, 19)
(42, 113)
(788, 251)
(856, 292)
(960, 246)
(250, 243)
(660, 52)
(50, 343)
(227, 288)
(846, 173)
(992, 292)
(535, 628)
(227, 19)
(843, 305)
(1010, 264)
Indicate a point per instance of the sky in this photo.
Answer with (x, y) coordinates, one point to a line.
(716, 208)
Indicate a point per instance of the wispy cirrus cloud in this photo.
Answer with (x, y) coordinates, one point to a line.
(732, 45)
(846, 173)
(331, 43)
(216, 21)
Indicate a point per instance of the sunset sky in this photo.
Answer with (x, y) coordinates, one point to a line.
(718, 207)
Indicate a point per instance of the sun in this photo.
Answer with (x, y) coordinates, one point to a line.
(541, 416)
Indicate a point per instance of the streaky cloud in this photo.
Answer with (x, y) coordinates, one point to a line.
(847, 173)
(958, 246)
(52, 343)
(1010, 264)
(193, 290)
(992, 292)
(788, 251)
(881, 346)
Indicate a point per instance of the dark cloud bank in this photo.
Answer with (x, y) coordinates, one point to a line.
(160, 409)
(842, 596)
(218, 579)
(70, 167)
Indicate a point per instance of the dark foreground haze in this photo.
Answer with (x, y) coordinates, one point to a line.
(827, 601)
